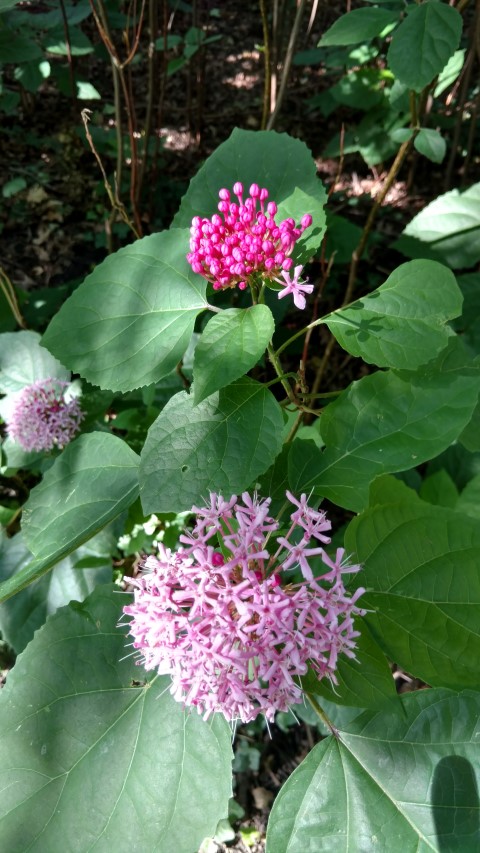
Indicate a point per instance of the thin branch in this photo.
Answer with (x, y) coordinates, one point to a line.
(267, 84)
(287, 63)
(9, 292)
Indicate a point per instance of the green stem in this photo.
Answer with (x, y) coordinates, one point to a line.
(321, 713)
(278, 370)
(299, 334)
(295, 427)
(279, 379)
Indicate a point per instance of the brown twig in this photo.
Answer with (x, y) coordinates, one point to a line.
(115, 202)
(267, 83)
(101, 21)
(287, 63)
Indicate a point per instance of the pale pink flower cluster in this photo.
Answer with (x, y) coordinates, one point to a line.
(41, 417)
(222, 619)
(242, 239)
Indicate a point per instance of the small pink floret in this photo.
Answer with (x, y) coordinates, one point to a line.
(291, 285)
(233, 639)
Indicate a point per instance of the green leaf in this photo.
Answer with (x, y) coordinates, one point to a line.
(361, 89)
(431, 144)
(230, 346)
(450, 73)
(420, 568)
(16, 185)
(273, 160)
(15, 456)
(87, 92)
(424, 42)
(91, 482)
(447, 229)
(461, 464)
(78, 45)
(75, 14)
(6, 5)
(358, 26)
(23, 361)
(470, 437)
(389, 782)
(469, 500)
(401, 134)
(402, 323)
(96, 751)
(221, 445)
(17, 48)
(469, 323)
(364, 682)
(274, 483)
(342, 238)
(386, 423)
(27, 611)
(131, 320)
(439, 489)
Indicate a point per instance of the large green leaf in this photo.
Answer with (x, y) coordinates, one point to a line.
(402, 324)
(273, 160)
(358, 26)
(390, 782)
(447, 229)
(95, 753)
(131, 320)
(25, 612)
(23, 361)
(385, 423)
(221, 445)
(424, 42)
(91, 482)
(230, 346)
(423, 587)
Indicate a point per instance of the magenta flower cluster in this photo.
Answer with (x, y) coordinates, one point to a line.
(243, 239)
(222, 619)
(42, 418)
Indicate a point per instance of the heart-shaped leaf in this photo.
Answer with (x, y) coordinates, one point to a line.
(221, 445)
(390, 782)
(131, 320)
(94, 750)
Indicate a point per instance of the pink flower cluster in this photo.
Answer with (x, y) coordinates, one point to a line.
(242, 239)
(220, 618)
(42, 418)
